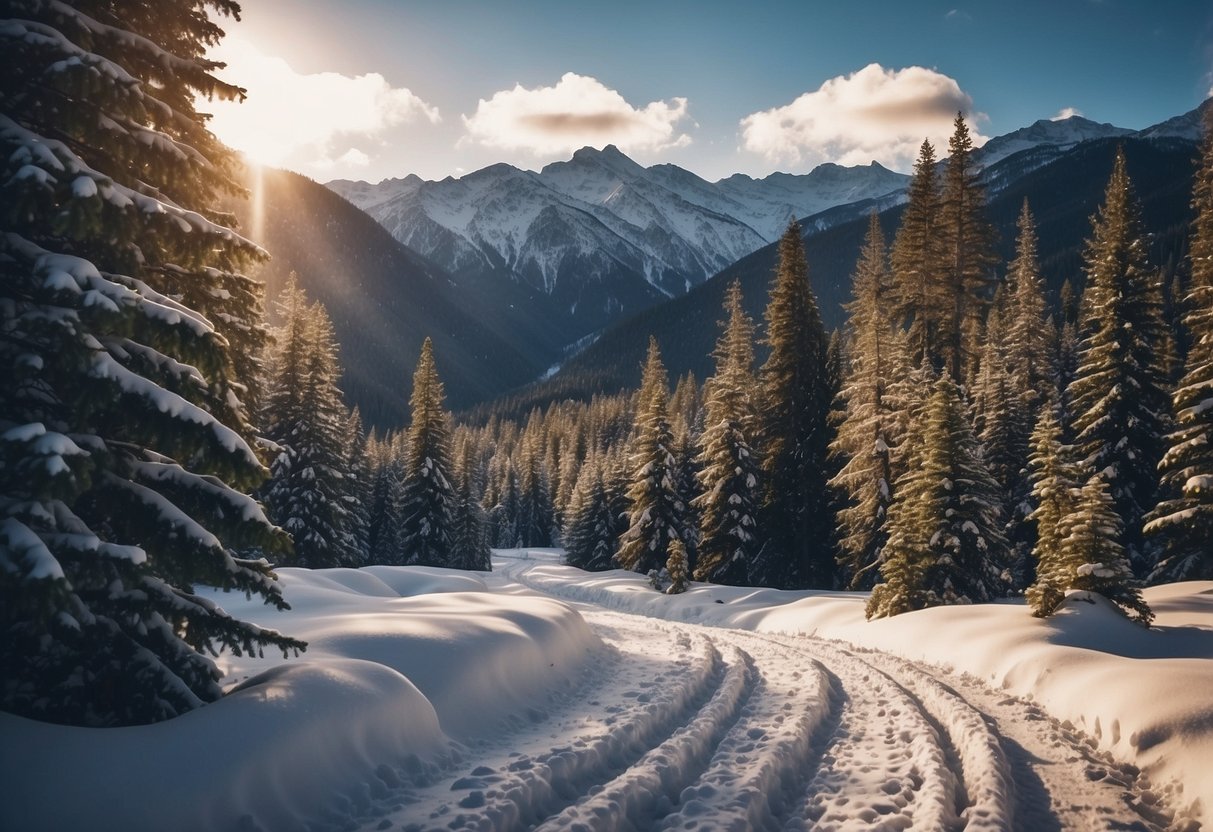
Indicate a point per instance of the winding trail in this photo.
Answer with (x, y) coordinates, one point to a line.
(686, 727)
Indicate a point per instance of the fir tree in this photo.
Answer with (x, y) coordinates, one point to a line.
(657, 514)
(966, 242)
(427, 498)
(305, 419)
(795, 431)
(129, 332)
(535, 519)
(384, 522)
(469, 546)
(1027, 327)
(729, 470)
(917, 263)
(1183, 520)
(676, 567)
(866, 424)
(945, 538)
(504, 515)
(1055, 495)
(1118, 395)
(358, 484)
(1092, 555)
(592, 532)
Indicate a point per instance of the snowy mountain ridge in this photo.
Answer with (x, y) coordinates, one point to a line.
(600, 212)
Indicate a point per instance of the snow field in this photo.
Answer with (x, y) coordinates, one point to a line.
(1134, 700)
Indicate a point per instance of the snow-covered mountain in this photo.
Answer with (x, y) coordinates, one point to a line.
(1061, 135)
(601, 219)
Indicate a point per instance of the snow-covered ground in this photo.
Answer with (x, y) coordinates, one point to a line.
(542, 696)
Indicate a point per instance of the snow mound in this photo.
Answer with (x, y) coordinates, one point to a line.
(401, 662)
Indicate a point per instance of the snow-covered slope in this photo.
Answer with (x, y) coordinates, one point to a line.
(600, 214)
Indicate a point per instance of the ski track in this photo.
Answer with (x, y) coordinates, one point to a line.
(685, 727)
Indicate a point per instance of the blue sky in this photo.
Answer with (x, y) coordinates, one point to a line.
(374, 88)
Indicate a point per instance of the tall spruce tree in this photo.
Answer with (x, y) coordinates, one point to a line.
(1182, 521)
(945, 531)
(427, 497)
(867, 424)
(1027, 325)
(729, 469)
(657, 513)
(1118, 395)
(592, 534)
(305, 418)
(469, 543)
(1055, 484)
(966, 240)
(358, 484)
(129, 334)
(795, 431)
(917, 264)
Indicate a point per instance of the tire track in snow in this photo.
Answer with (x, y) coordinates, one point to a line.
(516, 789)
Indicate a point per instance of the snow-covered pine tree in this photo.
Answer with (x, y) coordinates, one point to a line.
(1183, 520)
(1092, 554)
(305, 417)
(358, 483)
(729, 469)
(1118, 397)
(917, 263)
(966, 240)
(427, 498)
(124, 443)
(676, 567)
(866, 425)
(469, 544)
(1027, 326)
(1055, 482)
(535, 518)
(945, 532)
(503, 516)
(657, 514)
(795, 432)
(591, 534)
(686, 483)
(387, 478)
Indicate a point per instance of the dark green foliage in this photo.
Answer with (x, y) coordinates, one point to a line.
(427, 497)
(469, 544)
(729, 469)
(592, 534)
(1118, 397)
(656, 513)
(676, 567)
(1183, 520)
(945, 527)
(795, 432)
(128, 335)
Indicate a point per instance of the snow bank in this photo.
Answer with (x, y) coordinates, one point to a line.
(1142, 695)
(401, 661)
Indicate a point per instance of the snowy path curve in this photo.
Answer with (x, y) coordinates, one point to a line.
(686, 727)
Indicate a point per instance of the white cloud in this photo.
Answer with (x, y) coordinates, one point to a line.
(308, 121)
(1065, 112)
(576, 112)
(875, 113)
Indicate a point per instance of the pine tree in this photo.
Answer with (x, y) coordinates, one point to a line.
(795, 431)
(966, 240)
(1055, 483)
(535, 520)
(427, 498)
(1093, 557)
(387, 477)
(945, 538)
(592, 533)
(866, 424)
(676, 567)
(729, 470)
(129, 334)
(469, 546)
(917, 263)
(504, 516)
(657, 514)
(305, 418)
(1183, 520)
(1027, 327)
(1118, 396)
(686, 484)
(358, 483)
